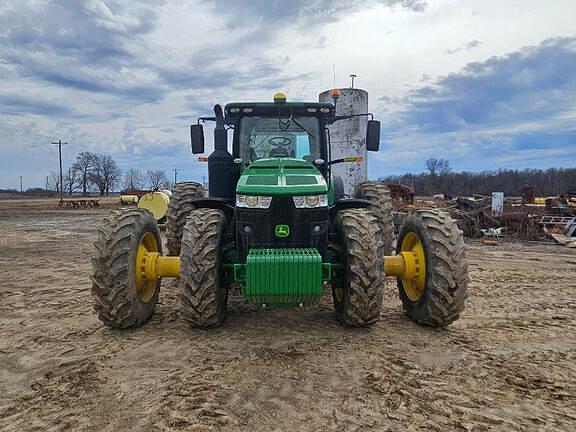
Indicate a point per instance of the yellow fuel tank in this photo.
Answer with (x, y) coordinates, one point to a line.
(156, 203)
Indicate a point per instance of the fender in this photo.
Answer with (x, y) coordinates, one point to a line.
(347, 203)
(217, 204)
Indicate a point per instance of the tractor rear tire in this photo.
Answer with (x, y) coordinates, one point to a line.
(117, 299)
(180, 206)
(358, 290)
(202, 293)
(379, 195)
(446, 285)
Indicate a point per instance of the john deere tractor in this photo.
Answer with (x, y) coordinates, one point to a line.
(276, 225)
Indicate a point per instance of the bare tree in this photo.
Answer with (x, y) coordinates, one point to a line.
(438, 166)
(157, 179)
(84, 166)
(444, 167)
(133, 179)
(71, 180)
(106, 174)
(439, 169)
(54, 181)
(432, 166)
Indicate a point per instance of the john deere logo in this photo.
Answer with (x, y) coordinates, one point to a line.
(282, 231)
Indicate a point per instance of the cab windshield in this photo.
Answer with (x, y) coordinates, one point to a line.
(265, 137)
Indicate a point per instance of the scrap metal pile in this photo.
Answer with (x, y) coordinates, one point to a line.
(526, 217)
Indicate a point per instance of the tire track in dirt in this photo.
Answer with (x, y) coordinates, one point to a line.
(508, 364)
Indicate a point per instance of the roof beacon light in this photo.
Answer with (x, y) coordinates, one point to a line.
(279, 98)
(335, 93)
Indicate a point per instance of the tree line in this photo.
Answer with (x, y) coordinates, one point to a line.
(440, 178)
(100, 173)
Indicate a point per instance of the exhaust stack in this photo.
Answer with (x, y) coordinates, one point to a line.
(222, 171)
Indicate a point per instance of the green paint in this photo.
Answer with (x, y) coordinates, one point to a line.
(282, 231)
(283, 277)
(331, 195)
(281, 176)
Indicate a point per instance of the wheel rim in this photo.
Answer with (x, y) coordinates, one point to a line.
(414, 287)
(145, 288)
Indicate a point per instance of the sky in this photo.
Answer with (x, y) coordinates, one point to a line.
(486, 84)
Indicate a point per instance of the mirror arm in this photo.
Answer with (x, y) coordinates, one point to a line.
(338, 118)
(346, 159)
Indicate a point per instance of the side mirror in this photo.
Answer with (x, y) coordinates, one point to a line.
(373, 135)
(197, 138)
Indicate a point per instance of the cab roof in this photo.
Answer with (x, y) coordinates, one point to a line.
(236, 110)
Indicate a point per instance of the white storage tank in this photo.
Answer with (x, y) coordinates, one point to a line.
(348, 137)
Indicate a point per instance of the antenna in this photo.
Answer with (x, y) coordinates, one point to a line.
(352, 76)
(334, 74)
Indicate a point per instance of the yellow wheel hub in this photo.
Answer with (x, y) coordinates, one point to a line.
(146, 287)
(414, 277)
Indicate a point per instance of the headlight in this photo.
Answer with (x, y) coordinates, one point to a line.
(310, 201)
(253, 201)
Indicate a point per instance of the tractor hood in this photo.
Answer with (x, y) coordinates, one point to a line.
(281, 176)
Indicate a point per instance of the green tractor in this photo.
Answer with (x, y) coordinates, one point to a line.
(277, 225)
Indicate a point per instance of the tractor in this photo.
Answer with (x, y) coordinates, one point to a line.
(277, 226)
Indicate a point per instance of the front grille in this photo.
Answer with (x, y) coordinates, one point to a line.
(261, 225)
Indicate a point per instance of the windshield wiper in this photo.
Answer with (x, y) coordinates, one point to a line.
(302, 127)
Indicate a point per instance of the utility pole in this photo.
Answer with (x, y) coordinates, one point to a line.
(175, 175)
(20, 184)
(46, 183)
(60, 144)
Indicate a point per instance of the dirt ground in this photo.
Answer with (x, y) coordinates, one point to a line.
(508, 364)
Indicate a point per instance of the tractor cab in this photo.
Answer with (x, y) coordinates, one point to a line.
(295, 131)
(279, 130)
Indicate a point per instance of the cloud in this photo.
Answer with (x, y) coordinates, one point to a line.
(91, 46)
(519, 105)
(127, 77)
(20, 105)
(466, 47)
(523, 85)
(302, 12)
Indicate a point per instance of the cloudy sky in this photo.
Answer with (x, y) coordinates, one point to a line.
(486, 84)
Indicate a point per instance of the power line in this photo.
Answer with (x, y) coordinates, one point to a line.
(60, 144)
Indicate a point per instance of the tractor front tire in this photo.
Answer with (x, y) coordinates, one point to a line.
(358, 288)
(440, 300)
(202, 294)
(180, 206)
(120, 299)
(379, 195)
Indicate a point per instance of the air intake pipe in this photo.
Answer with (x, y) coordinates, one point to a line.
(222, 171)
